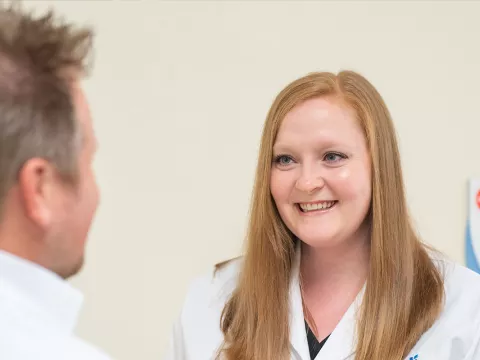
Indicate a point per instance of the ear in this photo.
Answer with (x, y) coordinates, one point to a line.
(37, 184)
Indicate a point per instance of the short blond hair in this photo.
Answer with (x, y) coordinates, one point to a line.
(39, 55)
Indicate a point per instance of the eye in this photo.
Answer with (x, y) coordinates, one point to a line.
(283, 160)
(333, 157)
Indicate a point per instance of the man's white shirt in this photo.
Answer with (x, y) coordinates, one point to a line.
(38, 314)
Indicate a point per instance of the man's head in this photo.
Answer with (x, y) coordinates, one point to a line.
(48, 194)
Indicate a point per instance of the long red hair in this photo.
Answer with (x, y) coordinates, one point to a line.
(404, 291)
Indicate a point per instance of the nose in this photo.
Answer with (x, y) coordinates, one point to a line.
(309, 182)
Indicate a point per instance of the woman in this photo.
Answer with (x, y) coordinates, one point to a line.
(333, 267)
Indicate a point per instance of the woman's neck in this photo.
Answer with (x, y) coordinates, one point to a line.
(338, 269)
(331, 279)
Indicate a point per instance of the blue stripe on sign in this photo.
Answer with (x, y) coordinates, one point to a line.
(472, 260)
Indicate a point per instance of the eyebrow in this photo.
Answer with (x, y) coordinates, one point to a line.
(328, 144)
(278, 148)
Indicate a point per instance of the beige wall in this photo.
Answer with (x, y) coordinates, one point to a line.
(179, 94)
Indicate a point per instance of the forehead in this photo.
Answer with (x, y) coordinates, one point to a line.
(82, 110)
(322, 120)
(80, 101)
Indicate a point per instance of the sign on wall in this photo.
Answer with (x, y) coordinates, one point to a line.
(473, 226)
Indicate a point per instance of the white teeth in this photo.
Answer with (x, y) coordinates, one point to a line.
(318, 206)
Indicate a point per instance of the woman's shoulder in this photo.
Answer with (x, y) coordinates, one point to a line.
(461, 284)
(456, 332)
(462, 292)
(459, 281)
(197, 328)
(210, 291)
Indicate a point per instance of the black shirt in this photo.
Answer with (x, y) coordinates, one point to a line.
(313, 344)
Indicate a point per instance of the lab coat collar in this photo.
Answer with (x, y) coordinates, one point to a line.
(298, 336)
(341, 343)
(41, 294)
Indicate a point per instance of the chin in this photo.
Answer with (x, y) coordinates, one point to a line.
(318, 241)
(73, 269)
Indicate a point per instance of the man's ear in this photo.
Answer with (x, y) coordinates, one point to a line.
(36, 184)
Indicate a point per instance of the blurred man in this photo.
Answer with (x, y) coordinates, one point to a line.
(48, 194)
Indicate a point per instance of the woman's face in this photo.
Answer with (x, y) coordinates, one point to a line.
(321, 180)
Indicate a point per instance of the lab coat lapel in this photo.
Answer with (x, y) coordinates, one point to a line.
(298, 336)
(341, 343)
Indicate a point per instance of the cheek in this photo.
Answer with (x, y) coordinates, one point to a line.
(354, 183)
(281, 184)
(93, 193)
(89, 197)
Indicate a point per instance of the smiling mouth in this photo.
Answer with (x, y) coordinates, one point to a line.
(320, 206)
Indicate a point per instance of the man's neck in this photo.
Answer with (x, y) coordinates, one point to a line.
(19, 240)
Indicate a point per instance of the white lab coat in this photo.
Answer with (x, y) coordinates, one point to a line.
(454, 336)
(38, 313)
